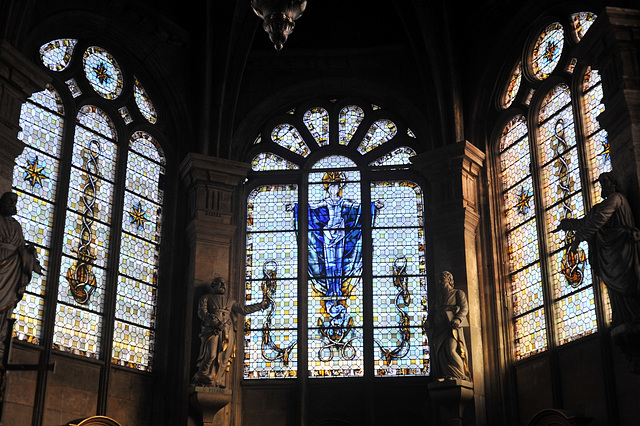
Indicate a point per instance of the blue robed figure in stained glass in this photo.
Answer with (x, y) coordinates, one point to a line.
(335, 253)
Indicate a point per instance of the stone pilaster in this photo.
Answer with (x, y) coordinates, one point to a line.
(213, 187)
(19, 78)
(453, 175)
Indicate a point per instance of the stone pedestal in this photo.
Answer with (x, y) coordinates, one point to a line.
(208, 401)
(627, 337)
(452, 395)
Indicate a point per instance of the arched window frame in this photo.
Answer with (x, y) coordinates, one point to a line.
(299, 178)
(570, 70)
(123, 308)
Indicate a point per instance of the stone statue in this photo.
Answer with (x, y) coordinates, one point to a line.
(614, 248)
(444, 328)
(219, 315)
(17, 263)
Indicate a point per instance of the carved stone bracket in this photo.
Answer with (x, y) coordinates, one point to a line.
(19, 78)
(208, 401)
(453, 395)
(627, 337)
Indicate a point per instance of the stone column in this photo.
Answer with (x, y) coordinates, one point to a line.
(213, 187)
(453, 179)
(19, 78)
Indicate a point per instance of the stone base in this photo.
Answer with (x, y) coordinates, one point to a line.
(453, 395)
(208, 400)
(627, 337)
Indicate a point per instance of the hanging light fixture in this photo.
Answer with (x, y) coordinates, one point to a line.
(278, 17)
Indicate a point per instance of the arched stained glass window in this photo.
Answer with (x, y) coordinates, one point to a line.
(338, 250)
(99, 267)
(542, 158)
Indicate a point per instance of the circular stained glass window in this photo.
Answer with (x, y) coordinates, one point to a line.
(103, 72)
(547, 51)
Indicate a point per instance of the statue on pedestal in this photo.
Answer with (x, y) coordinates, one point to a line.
(446, 337)
(18, 261)
(614, 249)
(219, 314)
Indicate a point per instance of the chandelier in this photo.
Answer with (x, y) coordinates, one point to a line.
(278, 17)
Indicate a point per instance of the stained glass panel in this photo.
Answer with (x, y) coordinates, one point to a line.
(597, 143)
(317, 121)
(399, 156)
(103, 72)
(349, 119)
(35, 178)
(380, 132)
(399, 283)
(144, 103)
(271, 349)
(288, 137)
(139, 254)
(513, 86)
(576, 316)
(56, 55)
(530, 334)
(266, 161)
(581, 23)
(547, 51)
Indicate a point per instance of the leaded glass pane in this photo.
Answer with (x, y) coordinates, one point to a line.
(288, 137)
(581, 23)
(35, 178)
(576, 316)
(317, 121)
(56, 54)
(530, 334)
(399, 282)
(144, 103)
(139, 253)
(77, 331)
(526, 290)
(266, 161)
(397, 157)
(271, 349)
(380, 132)
(597, 143)
(335, 274)
(103, 72)
(349, 119)
(513, 86)
(547, 51)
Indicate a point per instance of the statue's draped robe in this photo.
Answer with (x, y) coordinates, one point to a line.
(219, 315)
(614, 253)
(15, 269)
(447, 344)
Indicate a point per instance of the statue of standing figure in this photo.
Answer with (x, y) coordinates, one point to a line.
(18, 261)
(219, 314)
(444, 328)
(614, 248)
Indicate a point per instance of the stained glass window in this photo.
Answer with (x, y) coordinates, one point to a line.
(544, 180)
(513, 87)
(360, 241)
(91, 279)
(547, 51)
(144, 103)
